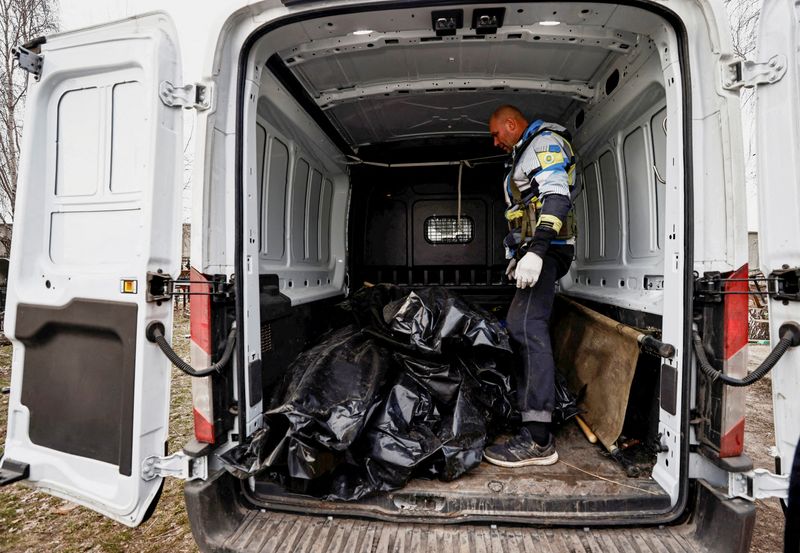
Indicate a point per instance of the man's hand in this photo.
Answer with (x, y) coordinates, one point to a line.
(528, 270)
(510, 270)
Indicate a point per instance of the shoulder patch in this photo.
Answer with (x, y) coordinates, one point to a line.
(554, 148)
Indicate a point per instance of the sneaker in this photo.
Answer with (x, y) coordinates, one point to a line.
(521, 451)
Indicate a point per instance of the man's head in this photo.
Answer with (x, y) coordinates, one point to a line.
(507, 124)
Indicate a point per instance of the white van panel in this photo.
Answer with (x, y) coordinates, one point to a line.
(778, 134)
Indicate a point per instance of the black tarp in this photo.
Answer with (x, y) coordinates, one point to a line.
(416, 386)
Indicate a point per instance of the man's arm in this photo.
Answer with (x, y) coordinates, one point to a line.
(545, 161)
(553, 216)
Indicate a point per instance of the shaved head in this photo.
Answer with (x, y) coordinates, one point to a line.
(507, 112)
(506, 125)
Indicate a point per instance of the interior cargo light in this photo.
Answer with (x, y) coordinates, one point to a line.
(446, 22)
(486, 21)
(363, 32)
(128, 286)
(549, 23)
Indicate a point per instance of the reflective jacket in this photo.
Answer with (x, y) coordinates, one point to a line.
(542, 164)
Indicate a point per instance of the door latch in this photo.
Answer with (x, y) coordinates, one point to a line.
(739, 73)
(191, 96)
(782, 284)
(162, 287)
(177, 465)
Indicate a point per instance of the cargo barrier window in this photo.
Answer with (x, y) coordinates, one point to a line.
(449, 230)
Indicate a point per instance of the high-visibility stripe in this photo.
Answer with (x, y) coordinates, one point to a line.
(734, 353)
(550, 221)
(201, 352)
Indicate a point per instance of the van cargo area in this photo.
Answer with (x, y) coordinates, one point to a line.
(371, 163)
(385, 204)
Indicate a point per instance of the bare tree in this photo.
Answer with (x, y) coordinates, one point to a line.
(20, 21)
(743, 16)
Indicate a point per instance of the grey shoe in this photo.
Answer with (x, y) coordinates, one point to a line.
(521, 451)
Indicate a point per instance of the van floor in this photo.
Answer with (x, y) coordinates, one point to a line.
(584, 483)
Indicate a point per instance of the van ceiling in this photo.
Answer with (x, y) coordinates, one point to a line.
(402, 81)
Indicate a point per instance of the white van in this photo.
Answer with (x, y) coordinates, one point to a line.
(305, 113)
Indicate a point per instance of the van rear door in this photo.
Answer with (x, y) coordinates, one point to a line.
(97, 210)
(778, 128)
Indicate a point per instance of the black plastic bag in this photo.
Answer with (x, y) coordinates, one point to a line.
(413, 388)
(566, 405)
(333, 387)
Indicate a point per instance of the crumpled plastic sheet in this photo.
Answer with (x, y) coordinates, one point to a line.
(566, 404)
(415, 387)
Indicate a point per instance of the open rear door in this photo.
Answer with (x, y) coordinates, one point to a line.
(778, 124)
(97, 209)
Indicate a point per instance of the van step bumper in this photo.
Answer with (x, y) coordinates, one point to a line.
(286, 532)
(220, 523)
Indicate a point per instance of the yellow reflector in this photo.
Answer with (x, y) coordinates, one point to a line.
(128, 286)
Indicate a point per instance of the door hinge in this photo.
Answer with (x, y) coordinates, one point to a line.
(739, 73)
(29, 61)
(162, 287)
(177, 465)
(191, 96)
(758, 484)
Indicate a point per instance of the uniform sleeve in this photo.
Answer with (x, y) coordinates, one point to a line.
(553, 216)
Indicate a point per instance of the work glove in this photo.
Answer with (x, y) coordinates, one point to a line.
(528, 270)
(510, 269)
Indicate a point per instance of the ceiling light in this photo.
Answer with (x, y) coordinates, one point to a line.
(549, 23)
(363, 32)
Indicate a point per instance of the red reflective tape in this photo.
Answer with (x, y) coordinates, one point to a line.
(203, 429)
(200, 311)
(732, 442)
(736, 325)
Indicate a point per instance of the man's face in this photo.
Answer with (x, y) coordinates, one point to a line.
(505, 132)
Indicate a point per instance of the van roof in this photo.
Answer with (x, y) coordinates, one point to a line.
(386, 76)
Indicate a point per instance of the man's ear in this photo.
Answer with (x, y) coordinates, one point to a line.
(511, 124)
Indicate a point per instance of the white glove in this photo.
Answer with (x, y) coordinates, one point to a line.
(528, 270)
(510, 269)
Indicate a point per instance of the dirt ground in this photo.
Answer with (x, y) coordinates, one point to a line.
(31, 521)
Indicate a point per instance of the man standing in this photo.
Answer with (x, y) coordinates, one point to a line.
(540, 250)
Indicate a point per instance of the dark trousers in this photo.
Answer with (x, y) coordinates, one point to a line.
(528, 319)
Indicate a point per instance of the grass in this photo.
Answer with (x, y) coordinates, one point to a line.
(32, 521)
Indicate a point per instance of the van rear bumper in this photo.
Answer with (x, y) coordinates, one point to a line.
(221, 521)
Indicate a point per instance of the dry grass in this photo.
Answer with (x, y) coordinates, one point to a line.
(32, 521)
(759, 437)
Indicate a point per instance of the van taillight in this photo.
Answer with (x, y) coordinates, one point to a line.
(201, 352)
(735, 321)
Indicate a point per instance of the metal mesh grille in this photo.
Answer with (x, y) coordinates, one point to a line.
(445, 229)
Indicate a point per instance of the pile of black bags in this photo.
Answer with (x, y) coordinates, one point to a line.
(416, 386)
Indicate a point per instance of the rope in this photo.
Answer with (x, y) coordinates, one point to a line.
(458, 207)
(651, 492)
(355, 160)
